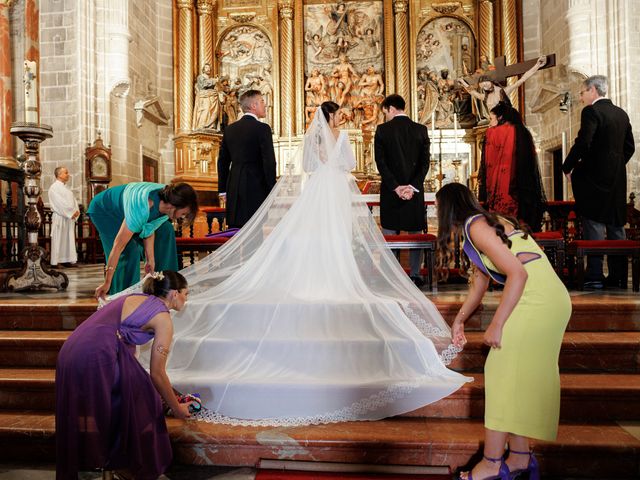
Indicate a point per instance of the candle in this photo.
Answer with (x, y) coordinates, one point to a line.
(455, 136)
(433, 120)
(290, 146)
(30, 92)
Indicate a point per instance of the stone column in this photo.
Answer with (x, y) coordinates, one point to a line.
(403, 83)
(287, 92)
(486, 30)
(510, 42)
(206, 33)
(6, 95)
(185, 65)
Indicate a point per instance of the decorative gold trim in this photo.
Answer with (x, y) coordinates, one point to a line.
(446, 8)
(510, 43)
(486, 45)
(389, 47)
(185, 64)
(287, 93)
(402, 50)
(242, 17)
(298, 38)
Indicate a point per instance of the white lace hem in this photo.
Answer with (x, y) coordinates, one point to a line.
(354, 412)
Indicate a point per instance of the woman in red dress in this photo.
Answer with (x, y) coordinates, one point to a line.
(509, 178)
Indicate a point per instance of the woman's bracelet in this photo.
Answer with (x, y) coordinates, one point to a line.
(108, 267)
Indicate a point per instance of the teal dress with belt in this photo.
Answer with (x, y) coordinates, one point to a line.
(130, 203)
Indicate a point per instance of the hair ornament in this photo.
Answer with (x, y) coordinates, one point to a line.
(157, 276)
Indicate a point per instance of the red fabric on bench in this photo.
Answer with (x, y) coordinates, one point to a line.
(416, 237)
(547, 236)
(201, 240)
(604, 244)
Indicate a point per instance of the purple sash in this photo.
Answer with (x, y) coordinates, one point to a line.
(474, 254)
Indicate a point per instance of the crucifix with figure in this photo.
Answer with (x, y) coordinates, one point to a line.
(493, 83)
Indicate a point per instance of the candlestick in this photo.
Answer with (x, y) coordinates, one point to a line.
(30, 92)
(433, 120)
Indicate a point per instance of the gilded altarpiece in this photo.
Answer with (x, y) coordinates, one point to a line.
(300, 53)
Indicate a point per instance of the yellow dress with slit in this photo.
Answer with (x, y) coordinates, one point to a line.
(522, 379)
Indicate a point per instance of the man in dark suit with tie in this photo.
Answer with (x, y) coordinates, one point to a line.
(246, 162)
(596, 166)
(402, 157)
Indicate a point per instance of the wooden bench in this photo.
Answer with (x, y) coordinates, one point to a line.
(578, 249)
(553, 245)
(417, 241)
(191, 246)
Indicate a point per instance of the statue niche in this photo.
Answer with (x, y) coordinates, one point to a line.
(344, 60)
(245, 57)
(445, 51)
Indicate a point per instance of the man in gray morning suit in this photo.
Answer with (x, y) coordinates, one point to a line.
(596, 166)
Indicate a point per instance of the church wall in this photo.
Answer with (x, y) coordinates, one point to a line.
(589, 37)
(60, 74)
(97, 60)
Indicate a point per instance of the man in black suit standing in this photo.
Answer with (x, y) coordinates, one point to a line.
(246, 162)
(402, 156)
(596, 166)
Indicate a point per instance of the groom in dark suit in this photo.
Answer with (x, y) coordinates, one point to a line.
(402, 157)
(246, 162)
(596, 166)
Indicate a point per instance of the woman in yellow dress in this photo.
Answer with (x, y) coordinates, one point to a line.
(522, 380)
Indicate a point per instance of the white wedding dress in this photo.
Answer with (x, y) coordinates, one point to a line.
(305, 316)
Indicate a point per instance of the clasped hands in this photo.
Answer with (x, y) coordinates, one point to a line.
(405, 192)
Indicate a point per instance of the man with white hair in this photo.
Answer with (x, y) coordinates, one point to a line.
(63, 220)
(596, 166)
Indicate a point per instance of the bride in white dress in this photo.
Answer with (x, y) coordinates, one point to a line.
(305, 316)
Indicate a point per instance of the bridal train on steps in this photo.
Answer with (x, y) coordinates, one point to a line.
(305, 316)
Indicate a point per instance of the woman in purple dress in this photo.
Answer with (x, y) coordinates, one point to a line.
(109, 412)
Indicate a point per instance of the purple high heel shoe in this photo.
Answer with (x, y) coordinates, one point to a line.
(532, 468)
(503, 473)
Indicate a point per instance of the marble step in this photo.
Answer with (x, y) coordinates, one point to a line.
(591, 313)
(581, 351)
(584, 396)
(599, 450)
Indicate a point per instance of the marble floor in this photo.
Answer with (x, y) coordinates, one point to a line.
(84, 279)
(47, 472)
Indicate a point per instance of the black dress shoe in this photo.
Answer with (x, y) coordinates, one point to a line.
(593, 285)
(418, 281)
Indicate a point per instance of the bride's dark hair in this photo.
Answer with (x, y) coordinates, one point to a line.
(328, 108)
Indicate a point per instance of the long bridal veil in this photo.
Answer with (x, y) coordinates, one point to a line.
(305, 316)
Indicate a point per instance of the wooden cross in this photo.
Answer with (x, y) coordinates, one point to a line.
(502, 71)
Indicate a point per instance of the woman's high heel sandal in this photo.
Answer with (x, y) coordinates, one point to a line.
(532, 468)
(503, 473)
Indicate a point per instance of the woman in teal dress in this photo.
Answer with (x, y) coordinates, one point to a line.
(522, 380)
(132, 221)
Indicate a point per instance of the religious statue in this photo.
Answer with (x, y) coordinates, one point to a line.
(316, 87)
(206, 109)
(491, 93)
(371, 84)
(345, 75)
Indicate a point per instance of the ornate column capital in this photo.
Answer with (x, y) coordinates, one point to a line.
(205, 7)
(285, 7)
(184, 4)
(6, 3)
(400, 6)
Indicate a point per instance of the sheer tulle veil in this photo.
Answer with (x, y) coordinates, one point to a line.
(305, 316)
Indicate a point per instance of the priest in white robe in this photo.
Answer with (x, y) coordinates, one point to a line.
(63, 220)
